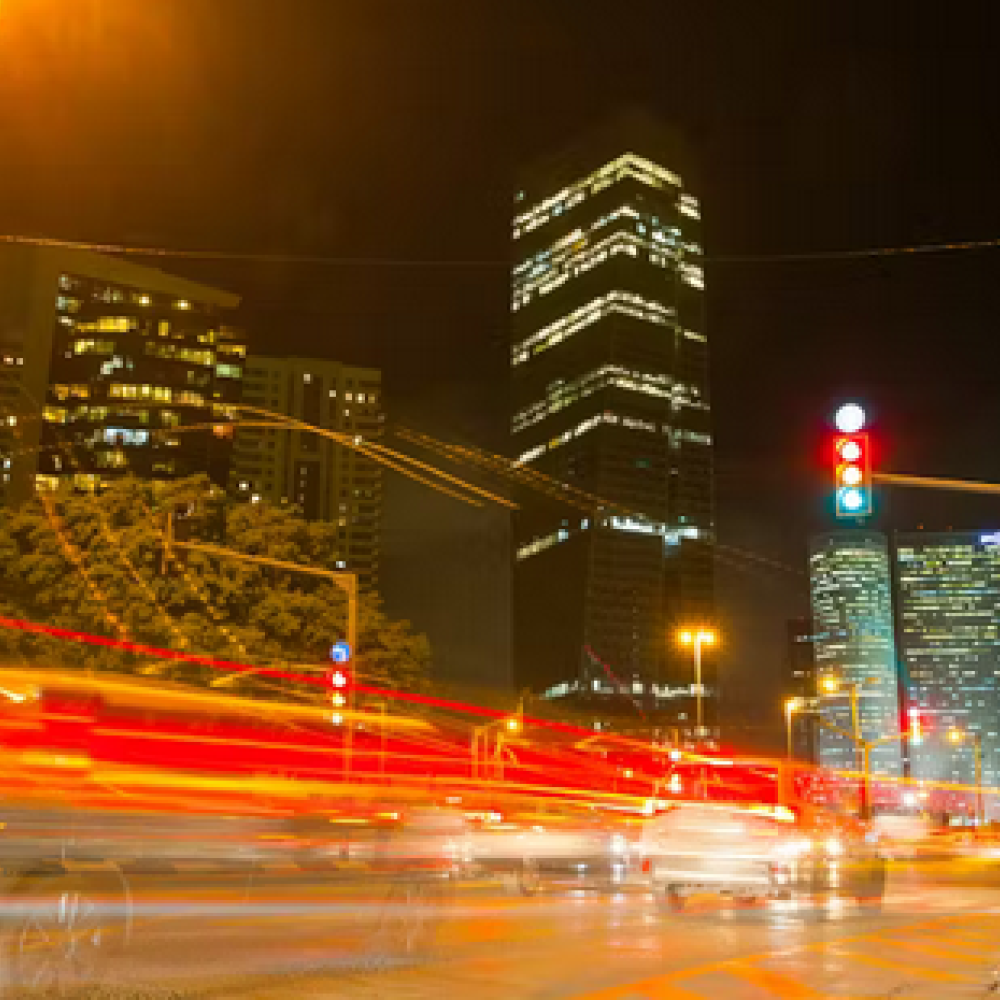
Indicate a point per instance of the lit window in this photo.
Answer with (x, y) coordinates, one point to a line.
(307, 378)
(182, 304)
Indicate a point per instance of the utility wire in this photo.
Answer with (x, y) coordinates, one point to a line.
(130, 250)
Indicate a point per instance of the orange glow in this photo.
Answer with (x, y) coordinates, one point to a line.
(697, 637)
(829, 684)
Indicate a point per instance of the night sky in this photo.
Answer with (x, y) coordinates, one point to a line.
(392, 131)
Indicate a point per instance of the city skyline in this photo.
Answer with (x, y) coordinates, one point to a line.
(421, 290)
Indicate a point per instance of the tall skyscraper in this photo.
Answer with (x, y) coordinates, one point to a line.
(98, 355)
(324, 479)
(610, 394)
(948, 594)
(849, 575)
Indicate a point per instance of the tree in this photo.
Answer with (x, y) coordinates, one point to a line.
(96, 563)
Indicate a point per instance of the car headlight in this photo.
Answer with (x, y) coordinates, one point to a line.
(794, 848)
(834, 846)
(619, 845)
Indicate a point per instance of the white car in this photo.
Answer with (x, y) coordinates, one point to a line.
(749, 855)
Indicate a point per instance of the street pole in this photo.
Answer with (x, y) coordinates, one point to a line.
(978, 750)
(866, 750)
(697, 680)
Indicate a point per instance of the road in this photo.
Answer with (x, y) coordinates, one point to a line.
(937, 936)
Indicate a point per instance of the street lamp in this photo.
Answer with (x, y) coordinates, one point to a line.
(697, 638)
(792, 705)
(830, 684)
(960, 736)
(480, 735)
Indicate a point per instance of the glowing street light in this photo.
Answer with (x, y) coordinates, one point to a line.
(792, 705)
(697, 638)
(957, 736)
(829, 684)
(849, 418)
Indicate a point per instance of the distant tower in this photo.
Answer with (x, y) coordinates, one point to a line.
(948, 594)
(849, 579)
(610, 394)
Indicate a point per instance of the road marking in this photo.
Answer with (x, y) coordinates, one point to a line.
(782, 985)
(778, 983)
(915, 971)
(928, 949)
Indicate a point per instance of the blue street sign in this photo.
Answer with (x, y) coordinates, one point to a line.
(340, 652)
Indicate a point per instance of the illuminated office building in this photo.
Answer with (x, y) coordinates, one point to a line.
(323, 479)
(102, 364)
(849, 576)
(948, 603)
(610, 394)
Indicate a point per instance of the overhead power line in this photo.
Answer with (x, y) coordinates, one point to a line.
(323, 260)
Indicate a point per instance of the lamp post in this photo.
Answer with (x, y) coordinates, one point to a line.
(831, 685)
(510, 723)
(696, 638)
(960, 736)
(792, 705)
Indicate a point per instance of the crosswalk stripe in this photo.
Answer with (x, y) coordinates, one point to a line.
(929, 949)
(915, 971)
(659, 988)
(778, 983)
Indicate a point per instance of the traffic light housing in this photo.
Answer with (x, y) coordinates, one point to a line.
(852, 475)
(340, 680)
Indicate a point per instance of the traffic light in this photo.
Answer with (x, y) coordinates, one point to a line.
(340, 677)
(853, 476)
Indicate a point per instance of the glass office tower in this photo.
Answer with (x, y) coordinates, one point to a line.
(948, 593)
(849, 575)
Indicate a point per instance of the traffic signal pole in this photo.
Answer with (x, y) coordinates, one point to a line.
(346, 581)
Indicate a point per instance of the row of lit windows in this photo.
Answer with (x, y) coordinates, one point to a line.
(630, 423)
(626, 165)
(108, 324)
(574, 253)
(616, 302)
(175, 352)
(562, 394)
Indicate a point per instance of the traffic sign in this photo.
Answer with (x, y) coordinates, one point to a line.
(340, 652)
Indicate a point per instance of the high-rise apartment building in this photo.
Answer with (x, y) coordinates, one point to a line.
(104, 362)
(849, 575)
(324, 479)
(948, 612)
(610, 394)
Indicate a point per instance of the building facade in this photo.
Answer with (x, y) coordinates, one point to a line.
(104, 362)
(609, 362)
(851, 590)
(325, 480)
(948, 607)
(799, 684)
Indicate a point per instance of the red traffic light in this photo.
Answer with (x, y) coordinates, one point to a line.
(852, 475)
(340, 678)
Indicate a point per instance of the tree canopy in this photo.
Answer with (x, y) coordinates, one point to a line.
(96, 564)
